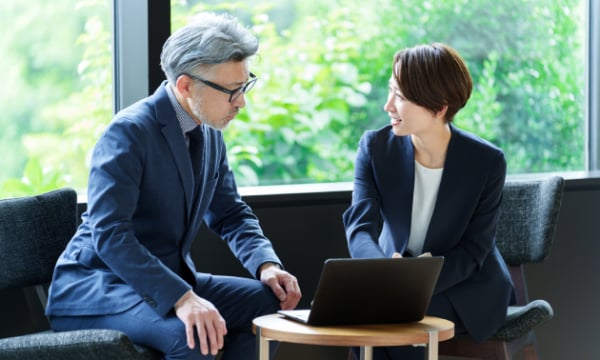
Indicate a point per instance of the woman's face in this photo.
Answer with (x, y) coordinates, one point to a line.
(406, 117)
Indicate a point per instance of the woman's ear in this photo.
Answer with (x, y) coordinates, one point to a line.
(442, 113)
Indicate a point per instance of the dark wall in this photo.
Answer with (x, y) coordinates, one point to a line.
(303, 234)
(307, 228)
(569, 279)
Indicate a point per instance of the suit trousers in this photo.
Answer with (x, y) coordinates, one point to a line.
(239, 300)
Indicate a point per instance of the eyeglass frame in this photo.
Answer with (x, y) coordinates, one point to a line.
(245, 88)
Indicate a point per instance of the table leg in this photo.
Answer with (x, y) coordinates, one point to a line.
(431, 350)
(262, 346)
(366, 353)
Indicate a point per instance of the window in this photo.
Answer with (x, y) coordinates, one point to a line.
(56, 91)
(323, 70)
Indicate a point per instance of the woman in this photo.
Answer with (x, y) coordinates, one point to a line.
(423, 186)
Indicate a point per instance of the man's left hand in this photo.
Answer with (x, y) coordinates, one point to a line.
(284, 285)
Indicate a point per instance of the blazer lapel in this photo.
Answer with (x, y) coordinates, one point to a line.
(173, 135)
(398, 182)
(453, 177)
(180, 154)
(405, 207)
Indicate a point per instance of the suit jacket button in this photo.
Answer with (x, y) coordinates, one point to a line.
(149, 300)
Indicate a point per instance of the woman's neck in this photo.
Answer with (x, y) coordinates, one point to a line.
(431, 147)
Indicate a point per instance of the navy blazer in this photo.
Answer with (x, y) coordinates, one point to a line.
(143, 213)
(463, 224)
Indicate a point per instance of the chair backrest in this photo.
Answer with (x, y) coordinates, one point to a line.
(528, 219)
(34, 230)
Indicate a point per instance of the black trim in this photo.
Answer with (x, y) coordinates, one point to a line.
(159, 29)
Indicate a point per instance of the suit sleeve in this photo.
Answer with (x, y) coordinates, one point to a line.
(233, 220)
(362, 219)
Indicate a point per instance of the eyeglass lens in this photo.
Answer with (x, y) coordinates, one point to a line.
(244, 89)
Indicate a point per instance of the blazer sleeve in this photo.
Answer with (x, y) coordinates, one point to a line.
(234, 221)
(362, 219)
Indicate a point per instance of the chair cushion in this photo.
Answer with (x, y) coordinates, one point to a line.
(74, 345)
(522, 319)
(33, 232)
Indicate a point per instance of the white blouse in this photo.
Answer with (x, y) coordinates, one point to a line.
(427, 184)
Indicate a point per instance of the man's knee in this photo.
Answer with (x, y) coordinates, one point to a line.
(181, 351)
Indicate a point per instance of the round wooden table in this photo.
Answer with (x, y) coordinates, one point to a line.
(428, 332)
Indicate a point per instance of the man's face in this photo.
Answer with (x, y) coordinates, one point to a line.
(211, 106)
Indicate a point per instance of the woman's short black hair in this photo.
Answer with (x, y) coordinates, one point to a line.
(433, 76)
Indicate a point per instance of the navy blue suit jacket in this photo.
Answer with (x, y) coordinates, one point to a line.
(463, 224)
(143, 213)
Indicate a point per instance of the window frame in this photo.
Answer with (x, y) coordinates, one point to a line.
(593, 85)
(140, 27)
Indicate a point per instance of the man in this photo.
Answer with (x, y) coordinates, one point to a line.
(159, 169)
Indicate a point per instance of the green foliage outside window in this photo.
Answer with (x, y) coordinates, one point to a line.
(323, 70)
(60, 97)
(323, 80)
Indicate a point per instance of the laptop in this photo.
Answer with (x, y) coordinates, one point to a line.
(371, 291)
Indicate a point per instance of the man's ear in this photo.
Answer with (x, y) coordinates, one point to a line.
(184, 84)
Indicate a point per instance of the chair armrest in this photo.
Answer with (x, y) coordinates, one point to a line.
(74, 345)
(522, 319)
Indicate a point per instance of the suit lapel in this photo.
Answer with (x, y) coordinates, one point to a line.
(180, 154)
(173, 135)
(408, 169)
(452, 177)
(399, 180)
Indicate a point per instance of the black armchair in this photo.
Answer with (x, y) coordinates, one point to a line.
(525, 234)
(33, 232)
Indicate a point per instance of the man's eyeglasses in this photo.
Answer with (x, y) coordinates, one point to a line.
(233, 94)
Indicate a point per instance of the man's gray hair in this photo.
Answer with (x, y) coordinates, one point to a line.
(208, 39)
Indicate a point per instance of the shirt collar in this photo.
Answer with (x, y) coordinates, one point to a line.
(185, 120)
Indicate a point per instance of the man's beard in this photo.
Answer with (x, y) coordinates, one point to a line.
(197, 108)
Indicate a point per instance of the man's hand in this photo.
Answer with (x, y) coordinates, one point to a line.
(200, 314)
(284, 285)
(398, 255)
